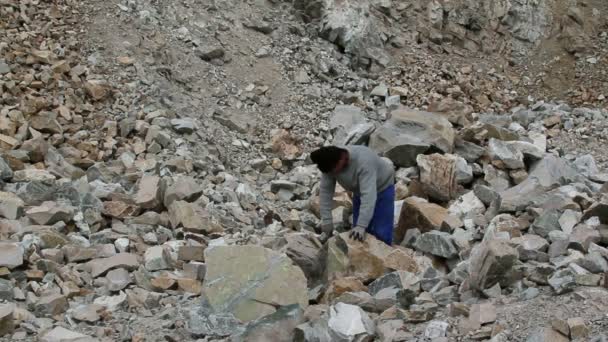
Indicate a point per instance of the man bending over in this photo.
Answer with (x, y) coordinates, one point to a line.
(371, 179)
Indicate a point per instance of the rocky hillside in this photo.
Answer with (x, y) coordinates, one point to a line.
(155, 183)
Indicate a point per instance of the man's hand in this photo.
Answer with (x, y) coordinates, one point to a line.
(358, 233)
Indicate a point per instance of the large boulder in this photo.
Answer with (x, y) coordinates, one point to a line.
(545, 175)
(250, 282)
(367, 260)
(409, 133)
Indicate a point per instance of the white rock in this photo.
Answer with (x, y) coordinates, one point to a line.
(467, 206)
(349, 322)
(112, 303)
(61, 334)
(436, 329)
(122, 245)
(156, 258)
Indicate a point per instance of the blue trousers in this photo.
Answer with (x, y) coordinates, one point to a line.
(381, 225)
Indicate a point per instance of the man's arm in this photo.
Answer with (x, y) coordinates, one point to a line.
(368, 193)
(326, 194)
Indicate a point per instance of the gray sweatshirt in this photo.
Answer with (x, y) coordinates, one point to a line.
(365, 175)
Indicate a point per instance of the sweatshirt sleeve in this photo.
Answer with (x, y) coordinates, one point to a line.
(367, 188)
(327, 189)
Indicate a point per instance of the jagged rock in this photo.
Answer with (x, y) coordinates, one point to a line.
(11, 255)
(510, 157)
(157, 258)
(530, 246)
(569, 219)
(468, 150)
(7, 321)
(349, 323)
(464, 171)
(545, 223)
(49, 213)
(562, 281)
(284, 145)
(418, 213)
(498, 180)
(46, 122)
(582, 237)
(278, 326)
(97, 89)
(578, 329)
(409, 133)
(395, 280)
(121, 260)
(467, 206)
(61, 334)
(117, 279)
(252, 280)
(436, 329)
(112, 303)
(599, 209)
(87, 312)
(51, 305)
(148, 192)
(544, 175)
(438, 175)
(437, 243)
(11, 206)
(594, 262)
(183, 126)
(192, 218)
(6, 290)
(305, 251)
(482, 313)
(6, 173)
(205, 322)
(366, 261)
(343, 120)
(490, 263)
(184, 188)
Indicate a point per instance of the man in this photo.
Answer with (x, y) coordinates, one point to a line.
(372, 180)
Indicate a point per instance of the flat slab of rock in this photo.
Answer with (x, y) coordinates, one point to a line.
(148, 192)
(124, 260)
(49, 213)
(250, 281)
(11, 206)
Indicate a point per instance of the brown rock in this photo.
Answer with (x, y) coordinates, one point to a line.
(191, 253)
(190, 285)
(192, 218)
(418, 213)
(339, 286)
(162, 283)
(284, 145)
(438, 175)
(578, 329)
(7, 142)
(365, 260)
(148, 192)
(183, 189)
(7, 320)
(482, 313)
(98, 90)
(30, 175)
(120, 209)
(561, 326)
(46, 122)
